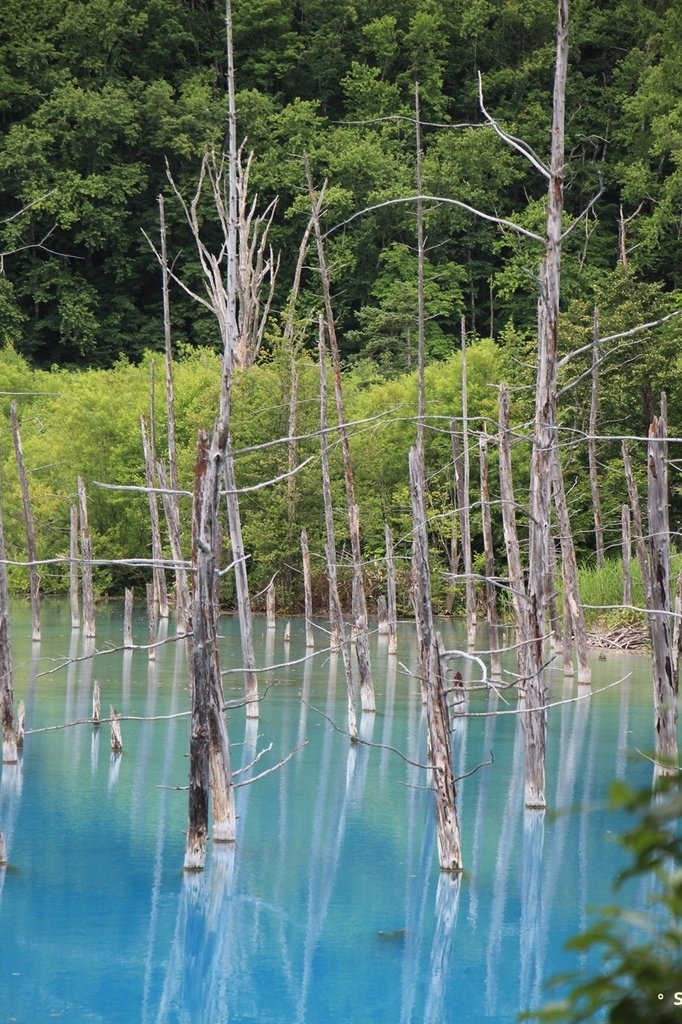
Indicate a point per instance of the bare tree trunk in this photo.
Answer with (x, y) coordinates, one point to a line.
(570, 569)
(335, 614)
(626, 549)
(665, 679)
(382, 616)
(151, 621)
(242, 585)
(445, 791)
(637, 527)
(158, 572)
(20, 724)
(172, 512)
(96, 704)
(168, 350)
(86, 563)
(270, 605)
(535, 719)
(34, 575)
(116, 738)
(552, 604)
(592, 444)
(491, 593)
(73, 569)
(9, 738)
(307, 591)
(128, 618)
(359, 600)
(421, 313)
(511, 538)
(465, 509)
(456, 447)
(569, 635)
(391, 609)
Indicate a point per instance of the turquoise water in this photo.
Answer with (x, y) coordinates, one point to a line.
(331, 907)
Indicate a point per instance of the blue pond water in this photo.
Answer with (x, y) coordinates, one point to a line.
(331, 907)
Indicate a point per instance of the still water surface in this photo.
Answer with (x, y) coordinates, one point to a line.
(331, 908)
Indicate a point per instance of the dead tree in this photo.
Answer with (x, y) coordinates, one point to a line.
(73, 569)
(447, 823)
(592, 444)
(382, 616)
(491, 593)
(270, 605)
(665, 678)
(172, 513)
(637, 527)
(151, 620)
(34, 575)
(335, 613)
(391, 608)
(9, 738)
(307, 591)
(115, 725)
(86, 563)
(128, 618)
(626, 550)
(570, 571)
(359, 599)
(465, 518)
(96, 704)
(458, 504)
(158, 571)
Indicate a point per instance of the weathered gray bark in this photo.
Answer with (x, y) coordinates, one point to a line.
(9, 739)
(86, 563)
(391, 609)
(458, 504)
(465, 517)
(382, 616)
(151, 621)
(116, 738)
(552, 604)
(128, 618)
(490, 589)
(445, 791)
(592, 444)
(172, 513)
(535, 719)
(241, 584)
(158, 572)
(307, 591)
(20, 724)
(626, 549)
(665, 679)
(511, 538)
(359, 600)
(3, 851)
(73, 569)
(96, 703)
(335, 613)
(287, 633)
(34, 575)
(270, 615)
(567, 646)
(570, 571)
(637, 527)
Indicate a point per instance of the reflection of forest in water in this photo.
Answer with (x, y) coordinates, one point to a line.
(331, 906)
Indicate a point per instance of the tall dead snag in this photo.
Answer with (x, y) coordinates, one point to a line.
(241, 583)
(86, 563)
(9, 739)
(270, 614)
(73, 569)
(570, 571)
(447, 824)
(307, 591)
(359, 600)
(158, 571)
(335, 613)
(464, 511)
(665, 678)
(637, 527)
(34, 575)
(491, 593)
(128, 618)
(391, 608)
(171, 501)
(592, 444)
(151, 620)
(626, 550)
(511, 538)
(535, 719)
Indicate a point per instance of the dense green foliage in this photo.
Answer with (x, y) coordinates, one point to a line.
(641, 953)
(95, 97)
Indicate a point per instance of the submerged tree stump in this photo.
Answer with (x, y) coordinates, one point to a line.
(96, 704)
(152, 609)
(3, 851)
(128, 618)
(382, 616)
(116, 738)
(270, 605)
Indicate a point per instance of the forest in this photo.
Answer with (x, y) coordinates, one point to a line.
(99, 103)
